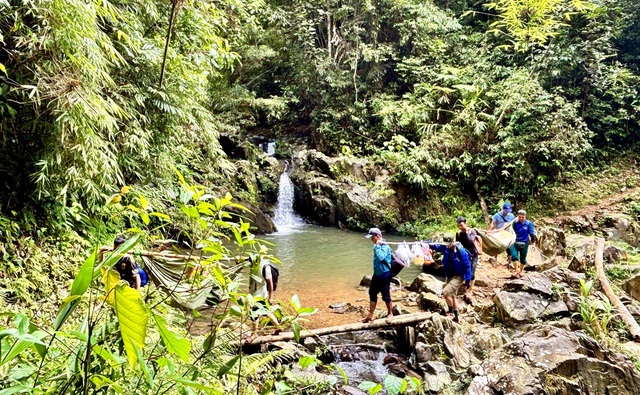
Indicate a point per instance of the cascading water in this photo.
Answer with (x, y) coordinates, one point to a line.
(285, 218)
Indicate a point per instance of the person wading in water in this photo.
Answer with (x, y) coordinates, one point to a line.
(381, 281)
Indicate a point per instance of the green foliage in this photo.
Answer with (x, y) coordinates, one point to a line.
(596, 315)
(103, 337)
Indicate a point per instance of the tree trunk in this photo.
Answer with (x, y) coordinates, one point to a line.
(634, 328)
(483, 205)
(172, 18)
(381, 323)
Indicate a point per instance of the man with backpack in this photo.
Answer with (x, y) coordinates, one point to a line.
(381, 280)
(469, 240)
(126, 267)
(457, 270)
(524, 231)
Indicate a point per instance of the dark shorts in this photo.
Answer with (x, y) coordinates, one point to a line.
(474, 265)
(380, 285)
(519, 252)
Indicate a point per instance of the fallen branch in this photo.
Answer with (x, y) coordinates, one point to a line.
(634, 328)
(381, 323)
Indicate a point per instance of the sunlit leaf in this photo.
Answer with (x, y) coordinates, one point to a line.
(132, 319)
(175, 345)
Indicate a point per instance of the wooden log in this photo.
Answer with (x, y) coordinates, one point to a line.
(376, 324)
(628, 319)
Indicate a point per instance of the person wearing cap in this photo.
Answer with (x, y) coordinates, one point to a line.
(457, 270)
(381, 280)
(524, 232)
(467, 236)
(502, 218)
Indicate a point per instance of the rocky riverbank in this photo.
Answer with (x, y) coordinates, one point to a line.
(520, 336)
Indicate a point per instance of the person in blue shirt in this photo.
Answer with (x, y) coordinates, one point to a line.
(524, 232)
(381, 280)
(457, 269)
(501, 220)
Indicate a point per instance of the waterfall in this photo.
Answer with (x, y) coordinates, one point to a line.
(284, 217)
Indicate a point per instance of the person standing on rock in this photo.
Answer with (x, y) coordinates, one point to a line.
(381, 280)
(524, 232)
(467, 236)
(457, 270)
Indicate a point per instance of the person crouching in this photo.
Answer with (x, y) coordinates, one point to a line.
(381, 280)
(457, 269)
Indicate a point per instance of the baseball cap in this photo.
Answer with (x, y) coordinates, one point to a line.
(373, 231)
(507, 206)
(447, 237)
(461, 219)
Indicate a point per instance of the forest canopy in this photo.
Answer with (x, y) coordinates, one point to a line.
(95, 95)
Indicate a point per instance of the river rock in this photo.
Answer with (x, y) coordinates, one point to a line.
(536, 283)
(632, 286)
(579, 223)
(431, 302)
(515, 308)
(613, 254)
(439, 330)
(436, 376)
(621, 227)
(549, 360)
(366, 281)
(486, 339)
(551, 241)
(345, 307)
(546, 264)
(426, 283)
(349, 390)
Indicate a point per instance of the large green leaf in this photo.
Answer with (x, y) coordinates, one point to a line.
(133, 319)
(394, 385)
(80, 285)
(15, 390)
(21, 343)
(175, 345)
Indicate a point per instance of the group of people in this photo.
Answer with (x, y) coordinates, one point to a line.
(459, 259)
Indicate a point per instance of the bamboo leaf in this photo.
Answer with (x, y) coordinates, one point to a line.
(15, 390)
(177, 346)
(227, 366)
(83, 280)
(132, 318)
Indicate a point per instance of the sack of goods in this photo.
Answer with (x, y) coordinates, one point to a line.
(417, 255)
(426, 251)
(497, 242)
(403, 254)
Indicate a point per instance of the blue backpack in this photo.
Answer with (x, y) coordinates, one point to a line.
(144, 277)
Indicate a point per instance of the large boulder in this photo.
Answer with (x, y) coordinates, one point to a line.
(613, 254)
(431, 302)
(555, 361)
(516, 308)
(551, 241)
(621, 227)
(632, 286)
(261, 223)
(446, 342)
(436, 377)
(579, 223)
(486, 339)
(583, 252)
(535, 283)
(426, 283)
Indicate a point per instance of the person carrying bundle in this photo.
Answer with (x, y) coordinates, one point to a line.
(457, 269)
(381, 280)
